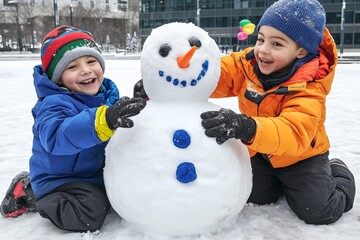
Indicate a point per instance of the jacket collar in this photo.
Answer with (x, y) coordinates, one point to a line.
(277, 78)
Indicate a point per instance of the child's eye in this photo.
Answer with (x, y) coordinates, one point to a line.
(260, 40)
(92, 61)
(276, 44)
(71, 67)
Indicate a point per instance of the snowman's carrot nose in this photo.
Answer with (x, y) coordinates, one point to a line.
(183, 61)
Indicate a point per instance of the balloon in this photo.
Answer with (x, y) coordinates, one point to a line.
(244, 22)
(246, 28)
(242, 36)
(249, 28)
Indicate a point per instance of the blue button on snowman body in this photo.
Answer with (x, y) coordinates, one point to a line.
(185, 171)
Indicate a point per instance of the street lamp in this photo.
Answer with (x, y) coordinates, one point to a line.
(71, 14)
(56, 14)
(198, 13)
(342, 28)
(16, 3)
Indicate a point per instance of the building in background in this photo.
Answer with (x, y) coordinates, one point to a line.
(221, 18)
(110, 21)
(27, 21)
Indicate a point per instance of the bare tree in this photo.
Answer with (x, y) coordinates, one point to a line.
(36, 21)
(47, 8)
(133, 16)
(27, 14)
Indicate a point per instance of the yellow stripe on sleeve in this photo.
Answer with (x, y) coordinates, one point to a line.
(102, 129)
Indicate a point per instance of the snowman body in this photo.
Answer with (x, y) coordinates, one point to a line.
(164, 174)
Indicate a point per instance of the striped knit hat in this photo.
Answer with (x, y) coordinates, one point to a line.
(63, 45)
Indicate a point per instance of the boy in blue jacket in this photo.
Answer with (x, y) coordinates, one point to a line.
(76, 113)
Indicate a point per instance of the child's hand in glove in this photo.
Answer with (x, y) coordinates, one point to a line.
(118, 114)
(225, 124)
(139, 90)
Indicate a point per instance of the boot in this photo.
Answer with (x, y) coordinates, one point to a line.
(19, 197)
(345, 181)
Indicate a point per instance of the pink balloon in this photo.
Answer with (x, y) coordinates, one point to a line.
(242, 36)
(241, 29)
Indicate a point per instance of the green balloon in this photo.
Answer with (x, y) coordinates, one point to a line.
(244, 22)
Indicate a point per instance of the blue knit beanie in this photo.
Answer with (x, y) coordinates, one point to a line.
(301, 20)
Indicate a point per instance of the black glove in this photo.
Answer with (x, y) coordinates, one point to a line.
(139, 90)
(225, 124)
(117, 115)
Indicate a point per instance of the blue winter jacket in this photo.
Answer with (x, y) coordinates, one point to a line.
(66, 147)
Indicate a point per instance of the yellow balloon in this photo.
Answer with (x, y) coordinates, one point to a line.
(249, 28)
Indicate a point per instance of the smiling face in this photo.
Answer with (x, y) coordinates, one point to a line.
(83, 75)
(180, 62)
(275, 51)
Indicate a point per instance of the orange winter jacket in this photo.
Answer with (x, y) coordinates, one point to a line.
(289, 117)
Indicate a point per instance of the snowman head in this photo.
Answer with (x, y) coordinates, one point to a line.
(180, 62)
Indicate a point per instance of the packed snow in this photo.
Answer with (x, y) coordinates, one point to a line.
(274, 221)
(165, 171)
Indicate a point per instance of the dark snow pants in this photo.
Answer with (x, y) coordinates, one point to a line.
(77, 206)
(317, 192)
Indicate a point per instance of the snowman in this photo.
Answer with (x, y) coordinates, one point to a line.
(165, 175)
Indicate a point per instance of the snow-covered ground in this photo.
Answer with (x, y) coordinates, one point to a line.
(275, 221)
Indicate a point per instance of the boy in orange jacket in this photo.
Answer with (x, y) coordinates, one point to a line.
(282, 84)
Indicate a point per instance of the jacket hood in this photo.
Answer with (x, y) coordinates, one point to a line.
(320, 69)
(328, 59)
(45, 87)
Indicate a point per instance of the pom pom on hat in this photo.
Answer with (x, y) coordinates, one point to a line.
(301, 20)
(63, 45)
